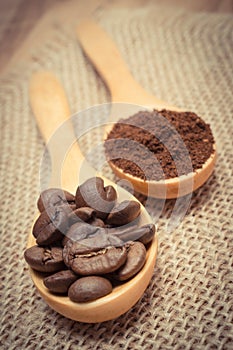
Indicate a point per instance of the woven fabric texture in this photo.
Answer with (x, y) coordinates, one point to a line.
(186, 59)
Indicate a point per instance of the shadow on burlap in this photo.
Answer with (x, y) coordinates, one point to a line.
(184, 58)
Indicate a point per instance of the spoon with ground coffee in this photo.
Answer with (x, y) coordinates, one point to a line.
(200, 156)
(50, 106)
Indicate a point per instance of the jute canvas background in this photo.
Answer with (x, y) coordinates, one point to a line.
(182, 57)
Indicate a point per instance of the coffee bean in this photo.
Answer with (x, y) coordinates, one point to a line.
(84, 214)
(101, 262)
(126, 233)
(148, 233)
(53, 197)
(123, 213)
(79, 231)
(60, 281)
(97, 222)
(50, 226)
(45, 259)
(89, 288)
(136, 257)
(92, 193)
(143, 234)
(101, 239)
(98, 255)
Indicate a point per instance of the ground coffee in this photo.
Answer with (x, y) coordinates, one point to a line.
(160, 132)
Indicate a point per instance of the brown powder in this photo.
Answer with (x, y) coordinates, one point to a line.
(159, 145)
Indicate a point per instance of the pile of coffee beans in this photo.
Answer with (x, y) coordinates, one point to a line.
(87, 243)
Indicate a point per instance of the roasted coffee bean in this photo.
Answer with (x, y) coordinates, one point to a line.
(89, 288)
(92, 193)
(100, 262)
(98, 255)
(143, 234)
(60, 281)
(50, 226)
(79, 231)
(97, 222)
(88, 245)
(148, 235)
(45, 259)
(136, 257)
(93, 243)
(126, 233)
(53, 197)
(84, 214)
(123, 213)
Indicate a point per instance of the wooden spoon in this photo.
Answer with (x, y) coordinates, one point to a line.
(51, 110)
(123, 88)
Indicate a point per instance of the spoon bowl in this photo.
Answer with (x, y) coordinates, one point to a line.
(104, 55)
(50, 106)
(170, 188)
(119, 301)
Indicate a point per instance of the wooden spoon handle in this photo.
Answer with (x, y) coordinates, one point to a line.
(106, 58)
(104, 55)
(49, 103)
(51, 110)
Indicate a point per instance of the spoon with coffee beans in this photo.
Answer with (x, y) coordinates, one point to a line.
(93, 246)
(172, 152)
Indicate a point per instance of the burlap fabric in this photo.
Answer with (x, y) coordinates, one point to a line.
(182, 57)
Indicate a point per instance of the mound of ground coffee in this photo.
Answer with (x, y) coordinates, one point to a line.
(171, 137)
